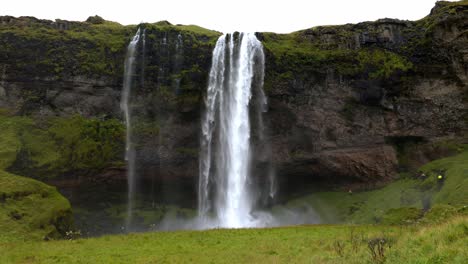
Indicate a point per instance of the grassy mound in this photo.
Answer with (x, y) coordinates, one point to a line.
(31, 210)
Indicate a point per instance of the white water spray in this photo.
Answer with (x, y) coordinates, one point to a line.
(224, 183)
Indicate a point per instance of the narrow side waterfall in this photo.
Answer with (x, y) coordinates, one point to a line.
(2, 82)
(178, 61)
(225, 184)
(129, 72)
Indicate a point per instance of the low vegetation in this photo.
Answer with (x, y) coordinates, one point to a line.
(31, 210)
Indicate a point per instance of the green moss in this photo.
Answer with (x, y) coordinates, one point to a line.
(59, 145)
(48, 51)
(294, 54)
(197, 35)
(381, 64)
(31, 210)
(87, 143)
(94, 49)
(40, 149)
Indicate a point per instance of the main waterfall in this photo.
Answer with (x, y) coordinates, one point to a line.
(129, 71)
(226, 190)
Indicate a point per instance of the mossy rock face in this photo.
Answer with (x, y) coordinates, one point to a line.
(31, 210)
(62, 50)
(394, 52)
(46, 149)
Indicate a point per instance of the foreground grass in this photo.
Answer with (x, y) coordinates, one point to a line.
(443, 243)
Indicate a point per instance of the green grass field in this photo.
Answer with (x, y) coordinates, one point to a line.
(444, 243)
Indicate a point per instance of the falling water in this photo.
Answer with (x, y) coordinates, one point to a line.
(2, 82)
(225, 188)
(143, 58)
(178, 61)
(261, 106)
(129, 72)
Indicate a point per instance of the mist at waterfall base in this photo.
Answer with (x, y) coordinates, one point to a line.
(236, 185)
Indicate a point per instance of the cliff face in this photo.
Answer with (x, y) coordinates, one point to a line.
(340, 95)
(341, 98)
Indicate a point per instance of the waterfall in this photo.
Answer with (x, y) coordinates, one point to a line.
(2, 82)
(129, 72)
(143, 58)
(178, 61)
(225, 185)
(261, 106)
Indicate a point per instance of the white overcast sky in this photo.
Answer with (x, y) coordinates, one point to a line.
(226, 16)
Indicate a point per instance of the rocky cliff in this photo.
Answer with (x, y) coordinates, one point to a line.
(340, 96)
(343, 100)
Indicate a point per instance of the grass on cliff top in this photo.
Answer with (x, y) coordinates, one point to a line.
(199, 35)
(443, 243)
(54, 51)
(30, 210)
(199, 30)
(399, 202)
(66, 49)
